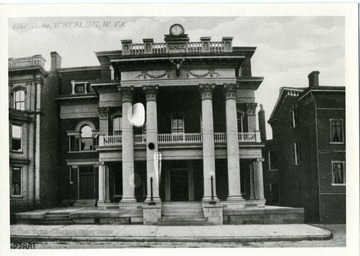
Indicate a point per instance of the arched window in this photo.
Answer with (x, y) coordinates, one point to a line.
(19, 100)
(117, 125)
(86, 138)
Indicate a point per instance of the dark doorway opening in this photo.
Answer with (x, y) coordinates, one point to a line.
(179, 185)
(87, 183)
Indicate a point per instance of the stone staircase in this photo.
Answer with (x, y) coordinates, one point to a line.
(57, 218)
(182, 213)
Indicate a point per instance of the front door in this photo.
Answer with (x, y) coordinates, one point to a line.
(87, 183)
(179, 184)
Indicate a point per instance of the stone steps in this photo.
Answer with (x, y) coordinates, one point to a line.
(182, 213)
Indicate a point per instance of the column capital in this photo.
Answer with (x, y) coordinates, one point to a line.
(206, 91)
(103, 112)
(230, 91)
(251, 108)
(126, 93)
(259, 159)
(151, 92)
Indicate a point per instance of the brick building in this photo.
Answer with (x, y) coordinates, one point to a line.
(33, 140)
(305, 160)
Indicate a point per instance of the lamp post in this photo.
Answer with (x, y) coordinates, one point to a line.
(212, 201)
(151, 192)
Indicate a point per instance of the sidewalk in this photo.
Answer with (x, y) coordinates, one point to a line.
(291, 232)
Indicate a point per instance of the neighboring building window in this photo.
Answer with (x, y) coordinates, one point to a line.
(117, 125)
(273, 160)
(177, 123)
(338, 173)
(80, 88)
(16, 138)
(336, 131)
(19, 100)
(16, 182)
(294, 118)
(87, 141)
(296, 153)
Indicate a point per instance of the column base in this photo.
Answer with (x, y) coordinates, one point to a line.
(235, 198)
(128, 200)
(208, 199)
(155, 199)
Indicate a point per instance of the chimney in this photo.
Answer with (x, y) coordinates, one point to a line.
(314, 78)
(262, 128)
(55, 61)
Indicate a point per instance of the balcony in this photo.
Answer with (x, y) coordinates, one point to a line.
(180, 138)
(149, 47)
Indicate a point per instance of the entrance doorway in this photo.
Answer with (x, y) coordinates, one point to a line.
(179, 184)
(87, 183)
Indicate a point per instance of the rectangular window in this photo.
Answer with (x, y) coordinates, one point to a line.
(338, 173)
(294, 118)
(273, 160)
(296, 153)
(177, 124)
(336, 131)
(16, 138)
(79, 88)
(19, 102)
(117, 126)
(16, 182)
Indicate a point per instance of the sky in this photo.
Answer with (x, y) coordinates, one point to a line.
(288, 48)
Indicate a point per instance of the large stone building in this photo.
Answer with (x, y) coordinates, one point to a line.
(200, 115)
(305, 160)
(33, 140)
(199, 144)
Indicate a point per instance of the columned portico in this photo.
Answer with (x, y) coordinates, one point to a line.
(127, 146)
(206, 91)
(151, 141)
(232, 143)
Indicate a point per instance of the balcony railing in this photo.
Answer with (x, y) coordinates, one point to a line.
(108, 140)
(130, 48)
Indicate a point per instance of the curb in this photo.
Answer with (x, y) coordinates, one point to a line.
(173, 238)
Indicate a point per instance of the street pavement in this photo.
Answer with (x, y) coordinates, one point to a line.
(143, 233)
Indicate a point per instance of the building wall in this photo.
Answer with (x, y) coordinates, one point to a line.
(49, 142)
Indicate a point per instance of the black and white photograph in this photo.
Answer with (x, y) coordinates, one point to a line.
(136, 127)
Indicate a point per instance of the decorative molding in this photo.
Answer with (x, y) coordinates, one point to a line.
(144, 74)
(206, 91)
(126, 93)
(103, 112)
(251, 109)
(210, 72)
(151, 92)
(230, 91)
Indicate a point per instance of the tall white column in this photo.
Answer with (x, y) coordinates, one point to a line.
(127, 146)
(151, 141)
(101, 189)
(232, 138)
(206, 91)
(258, 176)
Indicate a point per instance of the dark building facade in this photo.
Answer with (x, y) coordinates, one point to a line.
(33, 130)
(305, 161)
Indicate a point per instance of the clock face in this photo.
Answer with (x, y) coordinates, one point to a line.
(176, 30)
